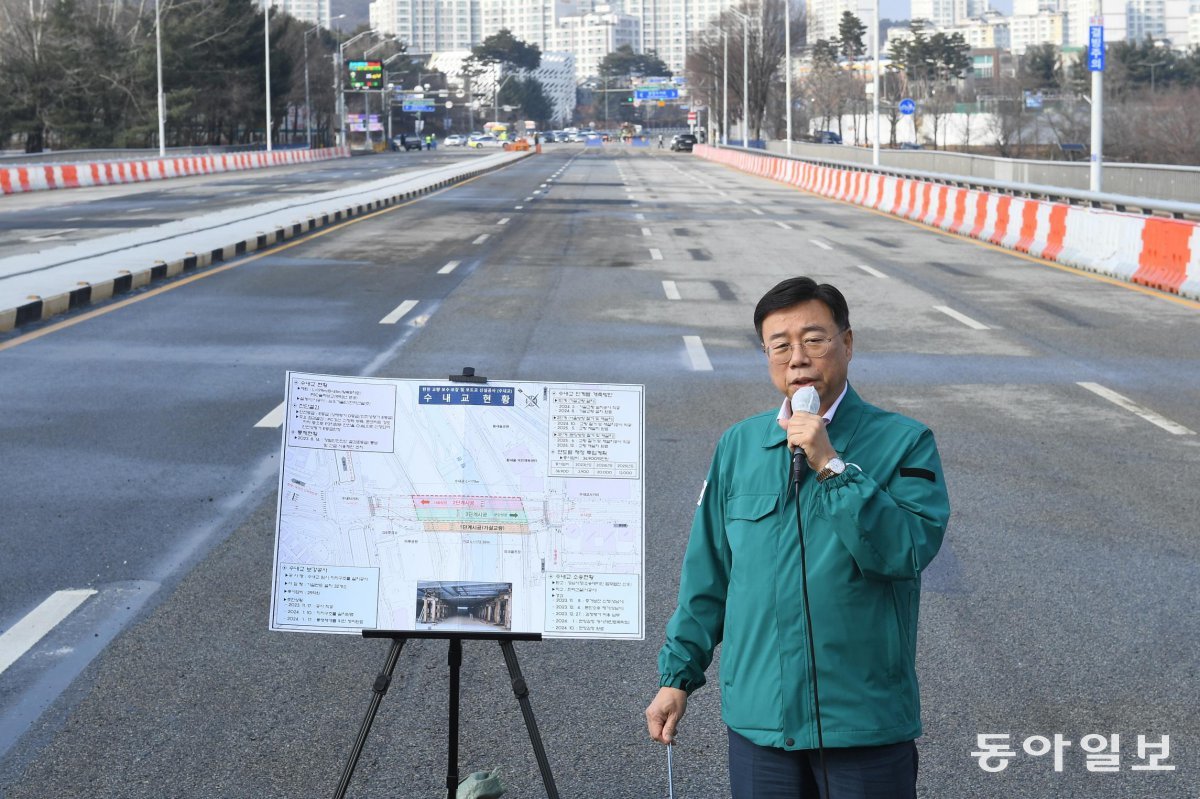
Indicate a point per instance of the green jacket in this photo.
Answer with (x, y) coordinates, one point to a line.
(869, 532)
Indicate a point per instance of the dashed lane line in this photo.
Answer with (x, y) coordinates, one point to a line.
(482, 238)
(1131, 406)
(646, 232)
(671, 290)
(783, 225)
(24, 635)
(273, 419)
(870, 270)
(503, 221)
(449, 267)
(398, 313)
(697, 355)
(961, 317)
(656, 254)
(820, 244)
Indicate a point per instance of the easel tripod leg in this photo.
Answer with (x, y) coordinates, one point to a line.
(522, 693)
(455, 661)
(382, 683)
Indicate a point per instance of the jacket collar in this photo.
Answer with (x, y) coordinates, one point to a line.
(841, 429)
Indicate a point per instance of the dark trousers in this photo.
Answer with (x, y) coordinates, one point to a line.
(859, 772)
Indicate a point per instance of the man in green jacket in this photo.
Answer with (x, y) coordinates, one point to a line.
(817, 619)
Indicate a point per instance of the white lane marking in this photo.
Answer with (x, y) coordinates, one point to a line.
(518, 207)
(22, 636)
(449, 267)
(74, 219)
(736, 201)
(640, 217)
(139, 210)
(646, 232)
(695, 351)
(482, 238)
(870, 270)
(396, 315)
(58, 234)
(671, 290)
(723, 193)
(656, 253)
(1133, 407)
(543, 185)
(820, 244)
(537, 191)
(755, 210)
(966, 320)
(783, 225)
(272, 419)
(503, 221)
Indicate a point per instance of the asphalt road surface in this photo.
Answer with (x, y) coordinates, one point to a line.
(1063, 602)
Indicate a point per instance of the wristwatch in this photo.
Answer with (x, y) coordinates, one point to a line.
(833, 468)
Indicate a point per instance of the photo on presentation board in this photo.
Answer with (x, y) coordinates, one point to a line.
(464, 606)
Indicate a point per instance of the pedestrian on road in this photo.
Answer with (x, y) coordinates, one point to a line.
(817, 624)
(660, 141)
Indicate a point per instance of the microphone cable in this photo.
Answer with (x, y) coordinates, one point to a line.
(798, 463)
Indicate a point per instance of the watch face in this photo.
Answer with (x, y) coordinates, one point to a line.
(836, 465)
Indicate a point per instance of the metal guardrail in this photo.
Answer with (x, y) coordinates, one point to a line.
(899, 164)
(1150, 183)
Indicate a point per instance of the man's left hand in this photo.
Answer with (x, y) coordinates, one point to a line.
(807, 431)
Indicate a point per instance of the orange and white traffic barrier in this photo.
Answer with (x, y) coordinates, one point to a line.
(42, 177)
(1160, 253)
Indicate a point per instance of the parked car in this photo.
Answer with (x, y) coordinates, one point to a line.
(479, 142)
(827, 137)
(682, 142)
(406, 143)
(454, 140)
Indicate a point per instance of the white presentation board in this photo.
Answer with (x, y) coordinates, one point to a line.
(441, 506)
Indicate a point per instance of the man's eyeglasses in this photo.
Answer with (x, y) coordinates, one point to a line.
(812, 346)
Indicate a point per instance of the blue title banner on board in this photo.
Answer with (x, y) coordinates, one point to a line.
(466, 395)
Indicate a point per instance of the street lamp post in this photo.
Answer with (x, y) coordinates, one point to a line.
(162, 100)
(367, 99)
(745, 75)
(725, 102)
(1152, 65)
(787, 61)
(267, 62)
(875, 85)
(307, 101)
(339, 67)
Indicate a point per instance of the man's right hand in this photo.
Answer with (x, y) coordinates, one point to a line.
(664, 713)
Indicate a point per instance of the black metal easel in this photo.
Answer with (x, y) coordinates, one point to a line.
(519, 686)
(454, 659)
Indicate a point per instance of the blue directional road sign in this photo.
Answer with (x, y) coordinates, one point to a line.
(1096, 48)
(907, 106)
(656, 94)
(426, 106)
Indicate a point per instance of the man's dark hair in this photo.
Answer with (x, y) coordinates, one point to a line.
(796, 290)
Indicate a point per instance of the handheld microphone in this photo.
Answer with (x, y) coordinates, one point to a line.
(805, 400)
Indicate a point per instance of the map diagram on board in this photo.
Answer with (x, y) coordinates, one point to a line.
(434, 505)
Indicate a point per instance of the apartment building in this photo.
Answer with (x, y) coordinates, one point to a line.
(314, 11)
(595, 34)
(428, 26)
